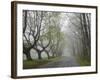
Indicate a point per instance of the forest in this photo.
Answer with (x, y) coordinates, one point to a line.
(51, 37)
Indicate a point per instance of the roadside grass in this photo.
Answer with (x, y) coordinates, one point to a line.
(84, 61)
(35, 63)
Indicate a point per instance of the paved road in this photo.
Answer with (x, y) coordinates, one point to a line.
(63, 62)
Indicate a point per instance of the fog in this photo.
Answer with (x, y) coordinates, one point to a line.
(56, 34)
(67, 51)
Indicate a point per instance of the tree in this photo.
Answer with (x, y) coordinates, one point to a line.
(31, 31)
(79, 24)
(41, 32)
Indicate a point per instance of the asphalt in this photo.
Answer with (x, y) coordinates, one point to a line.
(62, 62)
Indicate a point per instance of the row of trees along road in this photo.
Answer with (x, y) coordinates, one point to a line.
(79, 26)
(42, 33)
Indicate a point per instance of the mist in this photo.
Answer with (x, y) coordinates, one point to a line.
(56, 34)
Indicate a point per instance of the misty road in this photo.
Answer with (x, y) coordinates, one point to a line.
(63, 62)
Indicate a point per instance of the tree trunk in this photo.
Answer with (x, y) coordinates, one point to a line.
(27, 53)
(28, 56)
(39, 54)
(47, 54)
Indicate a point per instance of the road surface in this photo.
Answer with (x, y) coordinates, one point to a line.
(62, 62)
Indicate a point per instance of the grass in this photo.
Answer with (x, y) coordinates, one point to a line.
(84, 62)
(29, 64)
